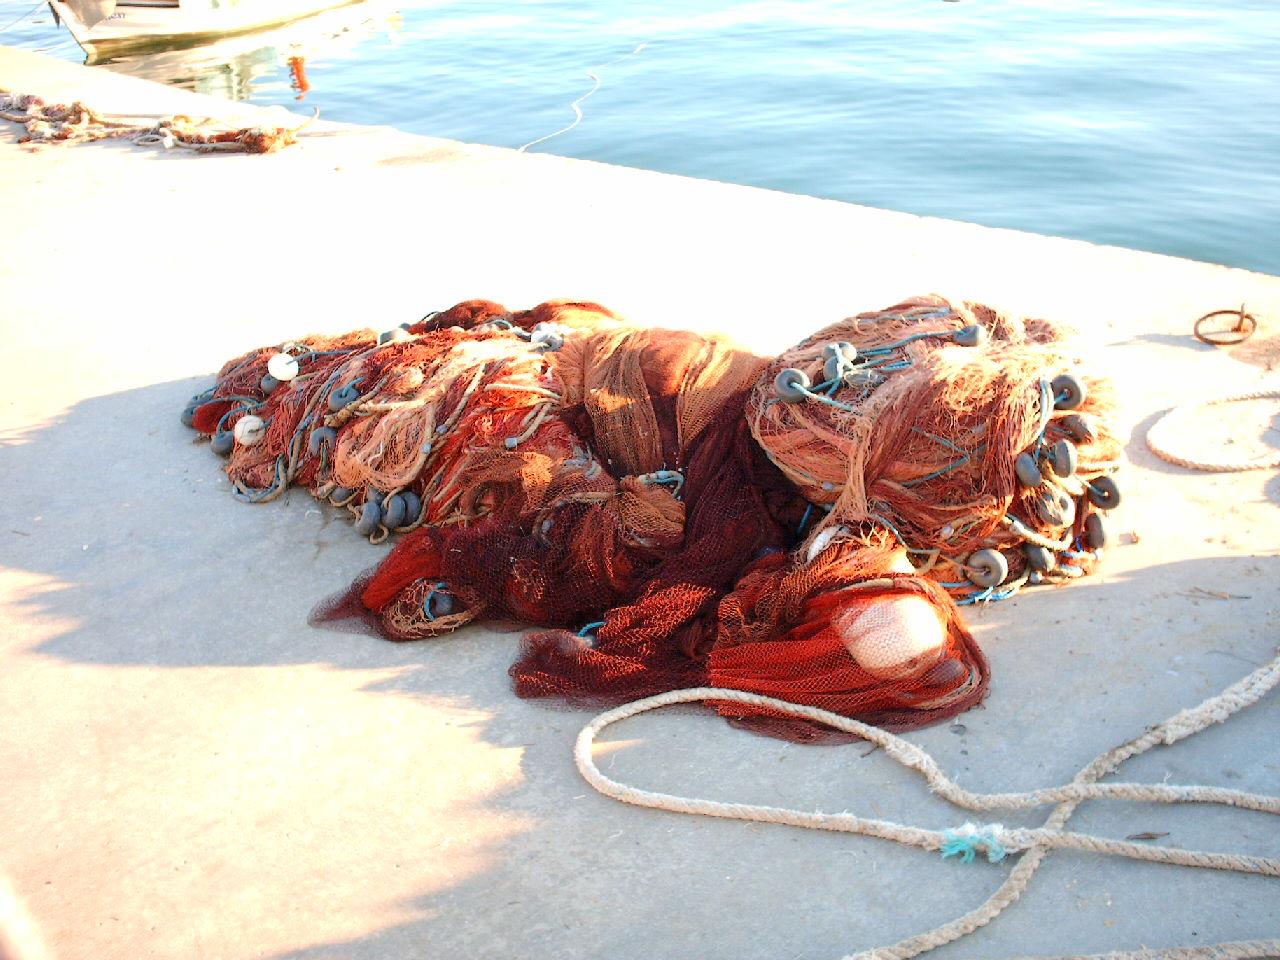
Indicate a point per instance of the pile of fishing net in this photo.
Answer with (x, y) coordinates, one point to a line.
(672, 510)
(78, 123)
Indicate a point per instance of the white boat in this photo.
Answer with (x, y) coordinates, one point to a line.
(111, 28)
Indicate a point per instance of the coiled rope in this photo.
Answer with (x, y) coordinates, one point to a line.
(1159, 437)
(992, 840)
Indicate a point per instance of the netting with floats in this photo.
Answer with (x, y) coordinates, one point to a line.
(672, 510)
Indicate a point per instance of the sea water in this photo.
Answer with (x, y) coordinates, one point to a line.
(1151, 124)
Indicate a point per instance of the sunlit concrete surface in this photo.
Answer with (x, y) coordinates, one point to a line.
(187, 770)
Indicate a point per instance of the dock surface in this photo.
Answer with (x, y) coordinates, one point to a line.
(190, 771)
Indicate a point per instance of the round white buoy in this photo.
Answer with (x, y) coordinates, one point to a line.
(249, 430)
(283, 367)
(889, 635)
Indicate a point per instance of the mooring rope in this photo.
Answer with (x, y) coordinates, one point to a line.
(991, 840)
(576, 105)
(1160, 440)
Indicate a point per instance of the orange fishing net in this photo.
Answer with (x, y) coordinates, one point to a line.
(675, 511)
(78, 123)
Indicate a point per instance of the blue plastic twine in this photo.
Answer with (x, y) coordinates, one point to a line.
(428, 602)
(968, 841)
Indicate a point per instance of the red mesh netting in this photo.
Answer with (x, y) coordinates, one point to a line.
(675, 511)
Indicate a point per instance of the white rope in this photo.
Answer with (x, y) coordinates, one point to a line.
(576, 106)
(1160, 440)
(992, 840)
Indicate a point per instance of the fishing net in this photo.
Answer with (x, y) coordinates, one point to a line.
(78, 123)
(671, 510)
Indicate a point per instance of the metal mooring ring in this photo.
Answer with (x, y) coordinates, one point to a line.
(1246, 324)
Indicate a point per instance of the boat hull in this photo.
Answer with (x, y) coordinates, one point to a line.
(139, 29)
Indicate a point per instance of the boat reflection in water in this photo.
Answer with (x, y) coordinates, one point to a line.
(237, 67)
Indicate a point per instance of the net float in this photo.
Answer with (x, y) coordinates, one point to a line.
(1028, 470)
(792, 385)
(1063, 457)
(249, 429)
(1104, 493)
(1069, 391)
(283, 367)
(987, 568)
(319, 438)
(343, 397)
(370, 517)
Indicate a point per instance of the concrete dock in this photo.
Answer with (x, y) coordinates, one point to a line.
(187, 770)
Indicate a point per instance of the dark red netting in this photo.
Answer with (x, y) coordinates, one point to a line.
(670, 510)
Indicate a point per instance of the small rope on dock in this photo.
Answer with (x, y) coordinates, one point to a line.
(78, 123)
(993, 841)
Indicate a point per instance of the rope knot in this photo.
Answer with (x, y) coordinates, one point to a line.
(968, 841)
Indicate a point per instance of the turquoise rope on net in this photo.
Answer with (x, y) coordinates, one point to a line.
(804, 521)
(589, 631)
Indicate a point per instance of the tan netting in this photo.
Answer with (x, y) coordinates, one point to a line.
(674, 510)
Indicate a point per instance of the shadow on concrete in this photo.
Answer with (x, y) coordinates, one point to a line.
(1259, 350)
(1172, 340)
(595, 880)
(144, 558)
